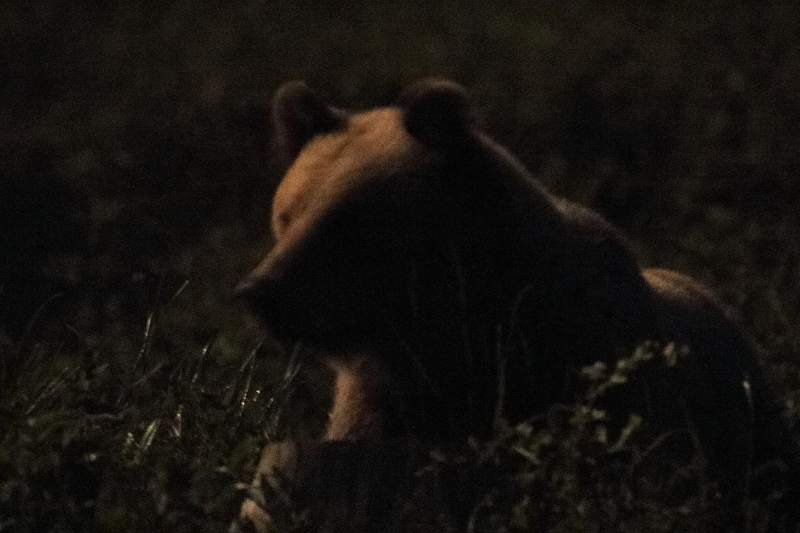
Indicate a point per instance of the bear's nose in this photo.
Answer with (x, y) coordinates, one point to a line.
(263, 295)
(269, 301)
(251, 291)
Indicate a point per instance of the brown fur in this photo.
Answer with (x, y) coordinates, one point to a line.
(447, 282)
(360, 390)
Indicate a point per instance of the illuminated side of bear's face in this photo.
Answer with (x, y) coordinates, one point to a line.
(355, 218)
(336, 167)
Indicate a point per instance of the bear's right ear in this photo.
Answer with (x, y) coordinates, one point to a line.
(437, 113)
(298, 115)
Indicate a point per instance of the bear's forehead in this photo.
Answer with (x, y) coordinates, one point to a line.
(335, 163)
(371, 138)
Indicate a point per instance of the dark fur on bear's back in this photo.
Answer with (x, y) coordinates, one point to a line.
(433, 272)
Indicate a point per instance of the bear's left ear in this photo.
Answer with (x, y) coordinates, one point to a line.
(298, 115)
(437, 113)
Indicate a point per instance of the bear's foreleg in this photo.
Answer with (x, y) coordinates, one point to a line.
(362, 389)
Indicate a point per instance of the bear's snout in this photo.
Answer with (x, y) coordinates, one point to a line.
(251, 291)
(268, 299)
(290, 313)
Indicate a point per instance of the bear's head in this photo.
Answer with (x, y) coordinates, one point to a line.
(391, 224)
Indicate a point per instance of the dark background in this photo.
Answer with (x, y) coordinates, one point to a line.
(135, 183)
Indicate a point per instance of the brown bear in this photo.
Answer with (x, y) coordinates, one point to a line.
(449, 290)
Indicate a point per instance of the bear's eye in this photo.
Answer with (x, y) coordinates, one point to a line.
(282, 222)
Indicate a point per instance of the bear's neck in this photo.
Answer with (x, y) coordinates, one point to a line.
(535, 267)
(510, 229)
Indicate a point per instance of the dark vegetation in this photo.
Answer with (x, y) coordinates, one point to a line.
(135, 187)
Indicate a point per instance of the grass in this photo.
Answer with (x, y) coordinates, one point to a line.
(154, 439)
(568, 469)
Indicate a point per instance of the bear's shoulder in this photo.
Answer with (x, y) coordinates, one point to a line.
(687, 292)
(592, 226)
